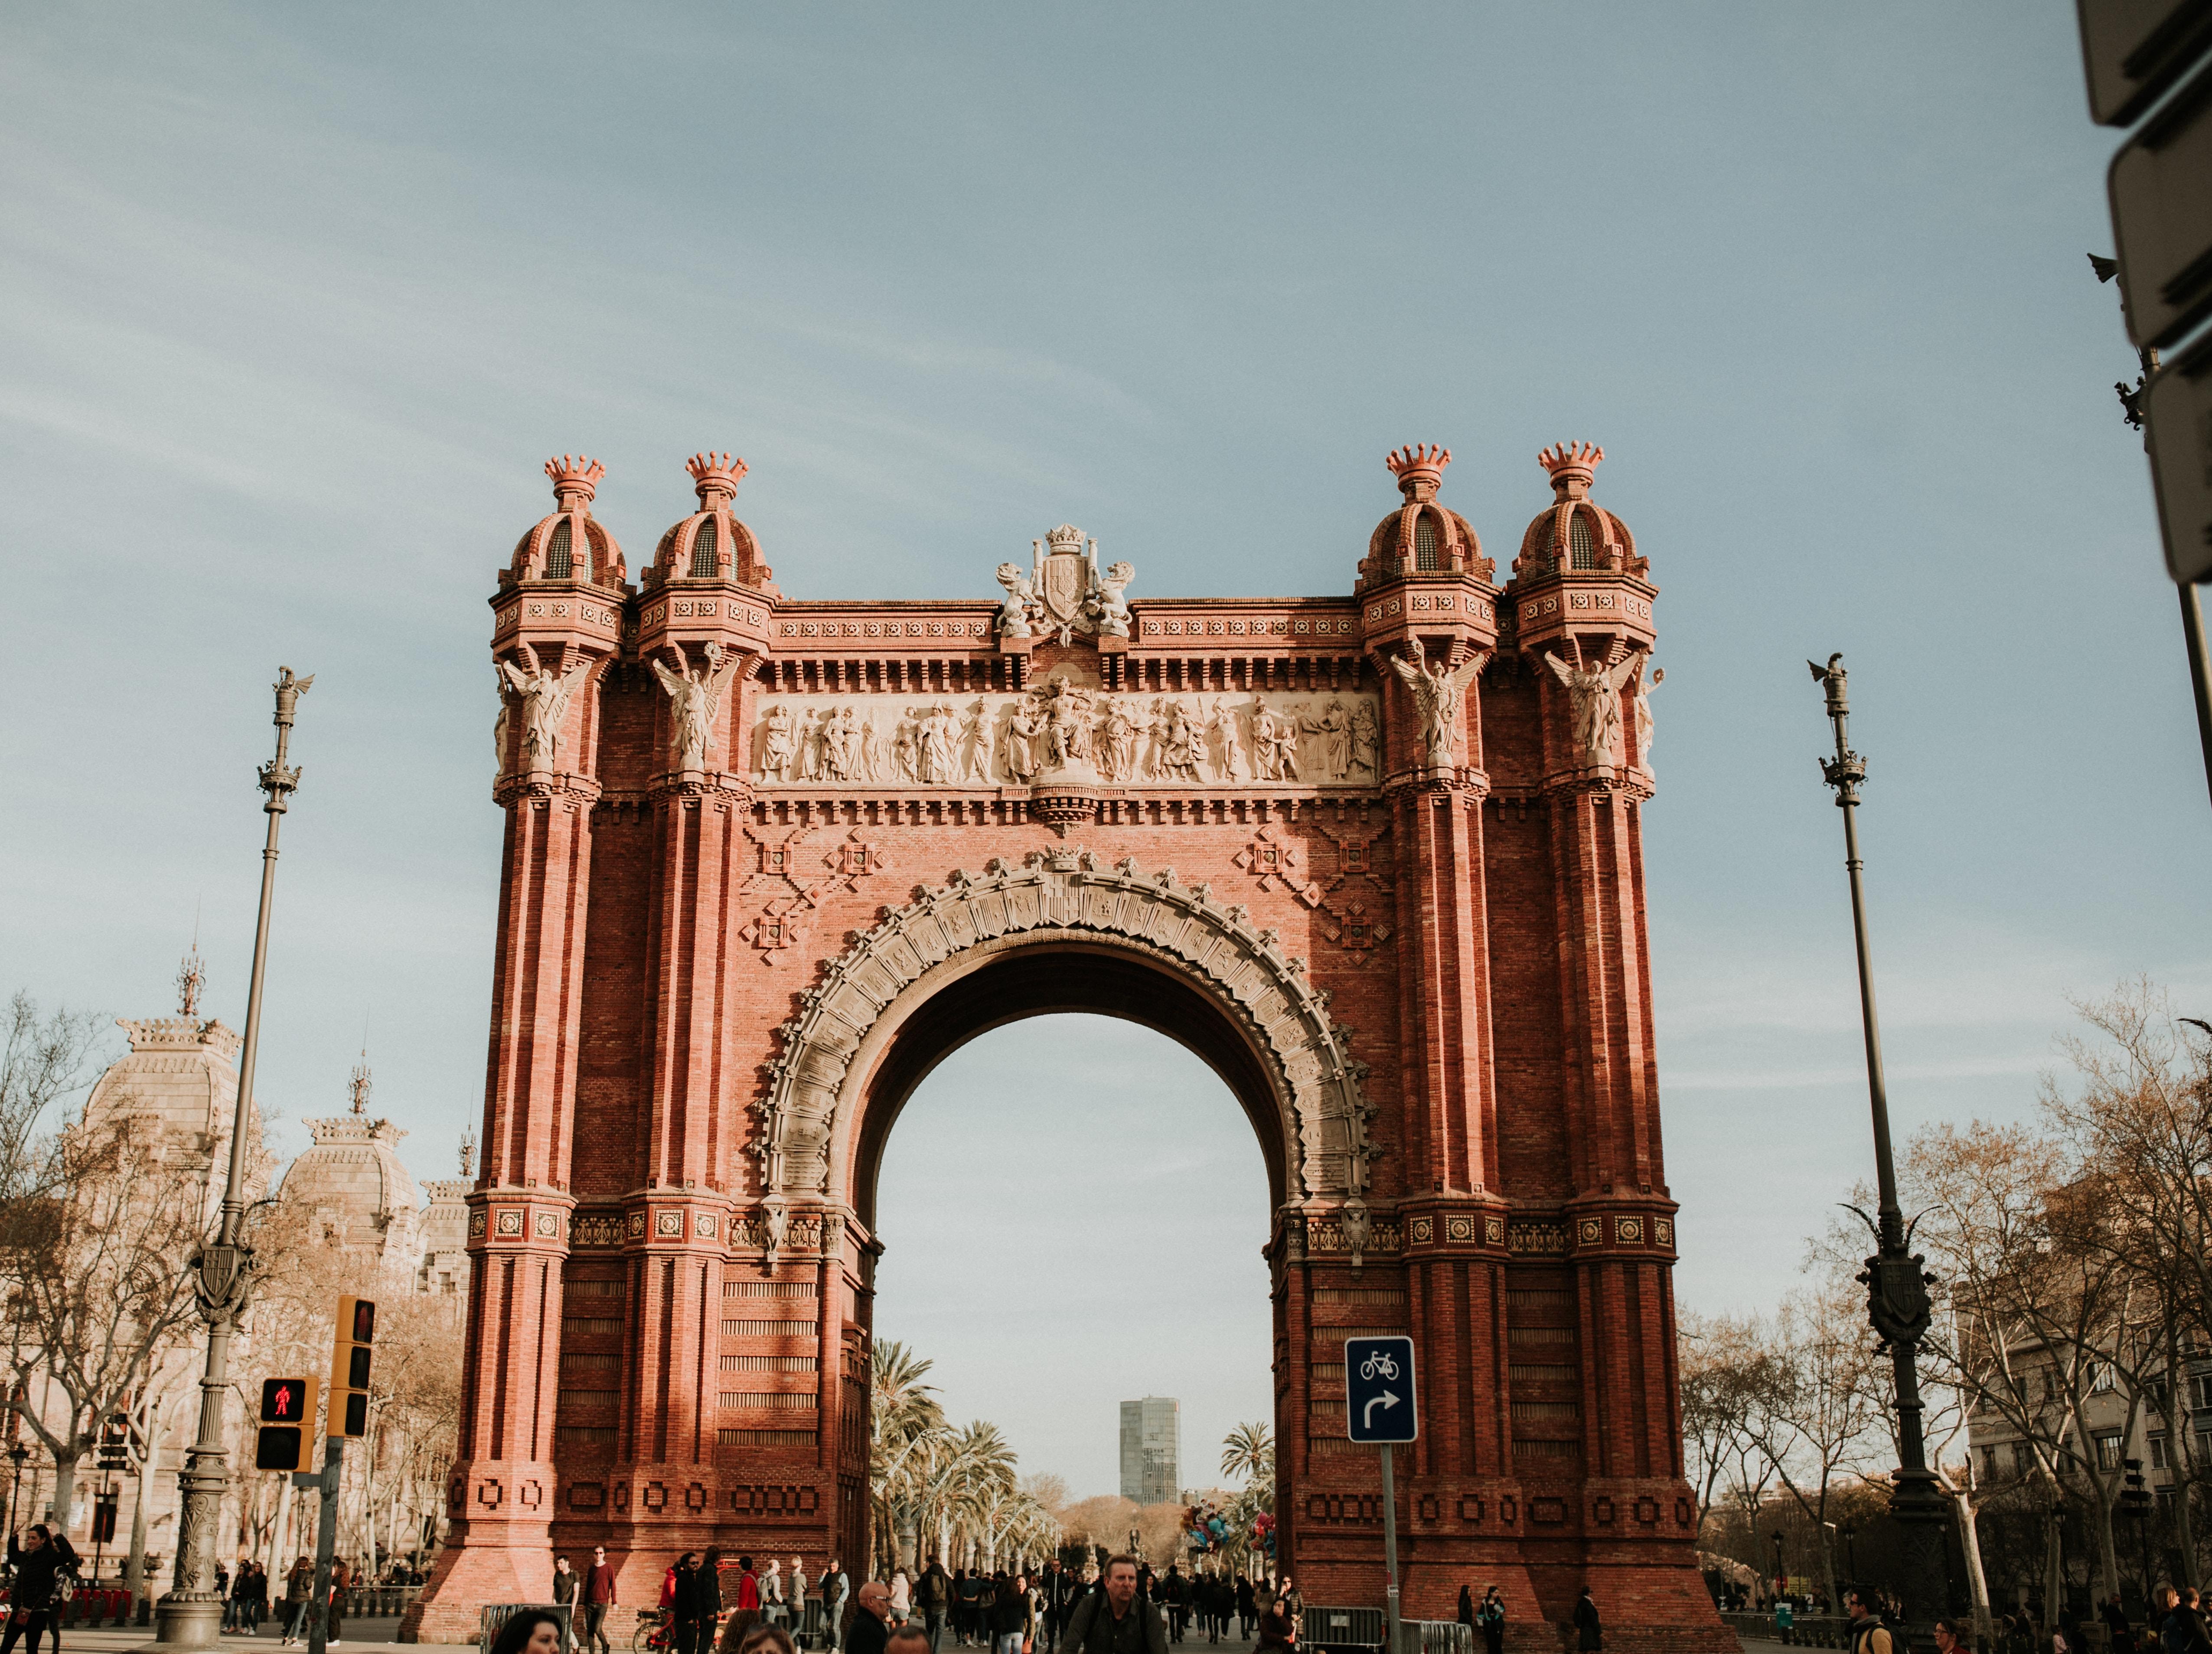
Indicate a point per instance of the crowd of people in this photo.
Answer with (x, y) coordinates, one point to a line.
(766, 1610)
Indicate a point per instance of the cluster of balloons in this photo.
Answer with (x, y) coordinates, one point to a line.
(1205, 1527)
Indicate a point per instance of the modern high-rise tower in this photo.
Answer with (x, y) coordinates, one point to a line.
(1151, 1450)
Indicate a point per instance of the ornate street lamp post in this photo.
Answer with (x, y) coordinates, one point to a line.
(191, 1614)
(1896, 1290)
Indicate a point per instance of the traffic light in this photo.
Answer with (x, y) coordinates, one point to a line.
(349, 1356)
(115, 1442)
(288, 1414)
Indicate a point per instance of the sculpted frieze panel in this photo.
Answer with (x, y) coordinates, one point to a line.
(1062, 731)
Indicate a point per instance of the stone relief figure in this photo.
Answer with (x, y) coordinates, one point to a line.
(1181, 744)
(1221, 742)
(1112, 606)
(1333, 726)
(544, 705)
(779, 744)
(1643, 720)
(1022, 731)
(1272, 758)
(904, 750)
(500, 725)
(939, 729)
(1118, 743)
(1067, 720)
(1439, 696)
(1594, 704)
(1367, 744)
(1020, 605)
(975, 750)
(696, 698)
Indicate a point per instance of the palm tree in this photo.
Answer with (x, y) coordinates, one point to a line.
(1249, 1452)
(907, 1432)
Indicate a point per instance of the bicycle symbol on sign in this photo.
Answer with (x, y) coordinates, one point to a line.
(1379, 1364)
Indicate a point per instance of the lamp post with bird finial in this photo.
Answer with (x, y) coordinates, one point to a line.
(1898, 1304)
(191, 1614)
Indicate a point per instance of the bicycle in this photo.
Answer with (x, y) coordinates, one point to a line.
(651, 1636)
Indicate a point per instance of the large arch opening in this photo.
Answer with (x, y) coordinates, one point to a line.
(1073, 1218)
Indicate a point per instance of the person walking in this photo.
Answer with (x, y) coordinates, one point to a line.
(679, 1595)
(1589, 1634)
(598, 1596)
(967, 1600)
(2120, 1634)
(1246, 1612)
(1489, 1620)
(1013, 1621)
(798, 1597)
(1274, 1628)
(836, 1592)
(871, 1629)
(36, 1565)
(299, 1585)
(1111, 1620)
(901, 1597)
(566, 1584)
(341, 1583)
(936, 1594)
(1869, 1634)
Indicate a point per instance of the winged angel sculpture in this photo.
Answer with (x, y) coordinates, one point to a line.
(1438, 695)
(1594, 702)
(696, 697)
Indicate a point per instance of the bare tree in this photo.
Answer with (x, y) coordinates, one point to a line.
(96, 1267)
(2138, 1120)
(1723, 1362)
(1810, 1414)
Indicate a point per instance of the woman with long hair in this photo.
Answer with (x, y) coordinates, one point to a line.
(529, 1631)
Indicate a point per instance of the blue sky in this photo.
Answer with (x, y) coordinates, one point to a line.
(298, 301)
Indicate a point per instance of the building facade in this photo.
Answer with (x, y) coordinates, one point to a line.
(1151, 1450)
(1376, 854)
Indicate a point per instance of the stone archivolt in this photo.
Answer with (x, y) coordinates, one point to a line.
(813, 1085)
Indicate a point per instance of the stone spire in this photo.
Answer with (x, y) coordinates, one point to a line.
(469, 1153)
(359, 1085)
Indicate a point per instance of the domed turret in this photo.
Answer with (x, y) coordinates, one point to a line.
(711, 543)
(1421, 537)
(570, 545)
(1573, 531)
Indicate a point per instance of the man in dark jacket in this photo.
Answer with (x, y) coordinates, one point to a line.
(1111, 1620)
(871, 1625)
(684, 1607)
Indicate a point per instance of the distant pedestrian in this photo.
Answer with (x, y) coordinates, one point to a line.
(567, 1582)
(2121, 1634)
(598, 1597)
(1589, 1635)
(1489, 1620)
(836, 1592)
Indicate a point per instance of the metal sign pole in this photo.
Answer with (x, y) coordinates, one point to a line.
(1389, 1546)
(326, 1531)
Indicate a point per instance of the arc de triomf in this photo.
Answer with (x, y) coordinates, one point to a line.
(1377, 857)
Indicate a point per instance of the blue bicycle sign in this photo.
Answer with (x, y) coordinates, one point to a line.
(1379, 1399)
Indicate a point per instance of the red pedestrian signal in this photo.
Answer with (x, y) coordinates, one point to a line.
(287, 1414)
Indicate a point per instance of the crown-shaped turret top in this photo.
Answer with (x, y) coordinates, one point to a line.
(575, 480)
(715, 476)
(1573, 466)
(1420, 469)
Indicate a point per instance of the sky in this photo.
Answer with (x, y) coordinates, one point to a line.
(298, 300)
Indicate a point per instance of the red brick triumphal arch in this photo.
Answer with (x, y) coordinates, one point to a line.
(1377, 857)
